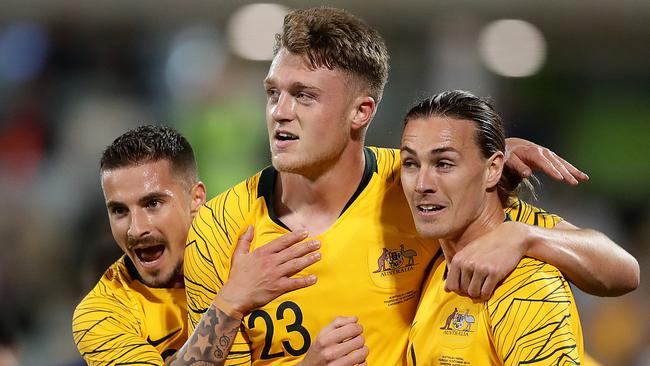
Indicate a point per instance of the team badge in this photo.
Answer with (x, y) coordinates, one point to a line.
(459, 322)
(393, 261)
(397, 267)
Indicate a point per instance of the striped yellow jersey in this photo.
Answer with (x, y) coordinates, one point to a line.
(373, 263)
(530, 319)
(124, 322)
(372, 266)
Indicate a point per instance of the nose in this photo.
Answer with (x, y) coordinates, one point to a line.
(283, 109)
(140, 226)
(426, 182)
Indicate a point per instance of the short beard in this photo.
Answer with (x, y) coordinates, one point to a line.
(158, 282)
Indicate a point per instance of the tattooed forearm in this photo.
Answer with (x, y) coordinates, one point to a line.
(211, 341)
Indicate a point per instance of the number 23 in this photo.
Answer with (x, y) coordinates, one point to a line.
(296, 326)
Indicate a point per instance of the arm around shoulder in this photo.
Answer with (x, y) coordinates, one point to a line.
(587, 257)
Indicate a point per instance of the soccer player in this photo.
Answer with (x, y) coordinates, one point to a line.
(452, 154)
(323, 88)
(137, 313)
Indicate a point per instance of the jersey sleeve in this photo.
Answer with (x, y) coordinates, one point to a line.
(208, 253)
(107, 331)
(523, 211)
(534, 319)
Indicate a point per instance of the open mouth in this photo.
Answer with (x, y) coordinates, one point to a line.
(149, 254)
(429, 208)
(285, 136)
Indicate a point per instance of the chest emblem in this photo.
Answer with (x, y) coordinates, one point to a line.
(459, 322)
(393, 261)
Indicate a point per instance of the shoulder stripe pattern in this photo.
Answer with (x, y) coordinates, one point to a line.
(107, 332)
(532, 318)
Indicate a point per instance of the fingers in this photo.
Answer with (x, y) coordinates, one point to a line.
(346, 346)
(300, 260)
(341, 342)
(524, 157)
(285, 241)
(570, 174)
(244, 242)
(488, 287)
(559, 166)
(289, 268)
(575, 172)
(340, 329)
(544, 164)
(297, 251)
(294, 258)
(476, 283)
(466, 275)
(468, 279)
(452, 284)
(292, 284)
(339, 322)
(356, 357)
(514, 162)
(346, 332)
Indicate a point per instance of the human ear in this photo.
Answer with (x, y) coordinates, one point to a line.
(197, 197)
(364, 110)
(494, 169)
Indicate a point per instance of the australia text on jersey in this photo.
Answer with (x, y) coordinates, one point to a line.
(392, 261)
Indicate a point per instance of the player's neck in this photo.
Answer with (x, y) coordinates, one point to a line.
(315, 202)
(490, 215)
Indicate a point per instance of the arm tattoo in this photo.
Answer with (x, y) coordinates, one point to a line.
(211, 341)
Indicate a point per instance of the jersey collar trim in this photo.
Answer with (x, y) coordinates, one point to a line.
(266, 185)
(130, 268)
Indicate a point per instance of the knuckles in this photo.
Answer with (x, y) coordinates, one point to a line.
(329, 355)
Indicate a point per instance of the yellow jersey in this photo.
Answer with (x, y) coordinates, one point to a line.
(122, 321)
(530, 319)
(372, 266)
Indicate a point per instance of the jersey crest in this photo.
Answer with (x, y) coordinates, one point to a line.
(459, 322)
(393, 261)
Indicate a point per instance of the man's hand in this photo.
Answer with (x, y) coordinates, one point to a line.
(262, 275)
(524, 156)
(340, 343)
(476, 269)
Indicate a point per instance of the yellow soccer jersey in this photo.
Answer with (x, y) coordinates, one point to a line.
(530, 319)
(372, 266)
(124, 322)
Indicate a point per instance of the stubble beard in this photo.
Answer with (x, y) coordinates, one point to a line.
(157, 280)
(308, 165)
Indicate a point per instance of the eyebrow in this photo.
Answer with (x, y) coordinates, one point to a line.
(112, 204)
(143, 200)
(296, 85)
(439, 150)
(152, 196)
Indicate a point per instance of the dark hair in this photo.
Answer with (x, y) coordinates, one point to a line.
(489, 133)
(150, 143)
(336, 39)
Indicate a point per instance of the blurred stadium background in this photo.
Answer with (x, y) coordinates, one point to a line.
(571, 75)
